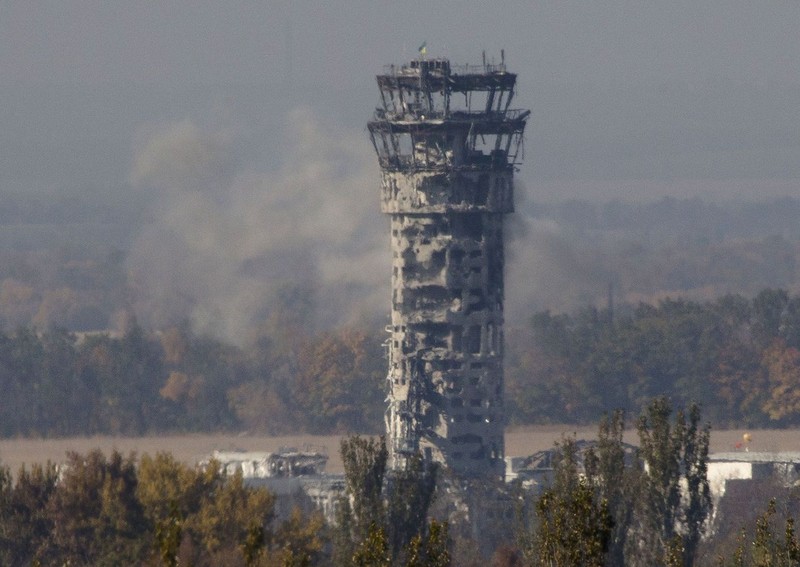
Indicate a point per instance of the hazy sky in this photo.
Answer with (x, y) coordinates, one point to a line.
(242, 126)
(628, 98)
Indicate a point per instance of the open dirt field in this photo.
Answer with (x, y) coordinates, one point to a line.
(191, 448)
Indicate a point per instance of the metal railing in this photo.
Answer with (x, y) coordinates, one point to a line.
(471, 115)
(465, 69)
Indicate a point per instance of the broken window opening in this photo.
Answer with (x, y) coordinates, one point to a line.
(468, 225)
(456, 255)
(476, 294)
(456, 335)
(466, 439)
(425, 297)
(436, 335)
(429, 269)
(482, 190)
(479, 454)
(477, 303)
(474, 339)
(432, 229)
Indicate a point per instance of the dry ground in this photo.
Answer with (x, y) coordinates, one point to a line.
(191, 448)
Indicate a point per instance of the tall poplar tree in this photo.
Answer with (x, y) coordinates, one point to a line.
(675, 500)
(574, 525)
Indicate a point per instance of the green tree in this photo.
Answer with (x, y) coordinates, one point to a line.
(373, 550)
(769, 307)
(411, 493)
(96, 516)
(299, 541)
(771, 545)
(219, 518)
(25, 524)
(430, 551)
(167, 533)
(385, 514)
(782, 367)
(617, 481)
(672, 454)
(232, 518)
(339, 381)
(574, 524)
(771, 550)
(128, 373)
(365, 462)
(362, 511)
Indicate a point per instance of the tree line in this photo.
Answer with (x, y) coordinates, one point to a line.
(116, 510)
(58, 384)
(605, 506)
(646, 508)
(738, 357)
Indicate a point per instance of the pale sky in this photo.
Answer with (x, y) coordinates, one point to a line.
(227, 140)
(628, 98)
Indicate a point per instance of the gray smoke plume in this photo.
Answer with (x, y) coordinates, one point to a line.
(224, 238)
(548, 268)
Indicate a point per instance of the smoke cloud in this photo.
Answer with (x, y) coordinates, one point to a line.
(225, 239)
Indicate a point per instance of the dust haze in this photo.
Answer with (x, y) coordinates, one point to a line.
(223, 240)
(210, 172)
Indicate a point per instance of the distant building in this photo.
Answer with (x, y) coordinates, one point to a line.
(296, 477)
(723, 468)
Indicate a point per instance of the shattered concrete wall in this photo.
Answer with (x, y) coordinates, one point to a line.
(447, 144)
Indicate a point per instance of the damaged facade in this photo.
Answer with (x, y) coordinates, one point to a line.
(447, 143)
(297, 478)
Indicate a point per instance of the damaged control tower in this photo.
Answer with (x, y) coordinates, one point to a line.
(447, 142)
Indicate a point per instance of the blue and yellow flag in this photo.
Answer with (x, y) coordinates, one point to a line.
(423, 49)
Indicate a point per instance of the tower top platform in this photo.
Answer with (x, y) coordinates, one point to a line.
(439, 74)
(436, 116)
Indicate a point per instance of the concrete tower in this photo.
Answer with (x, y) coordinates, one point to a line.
(447, 144)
